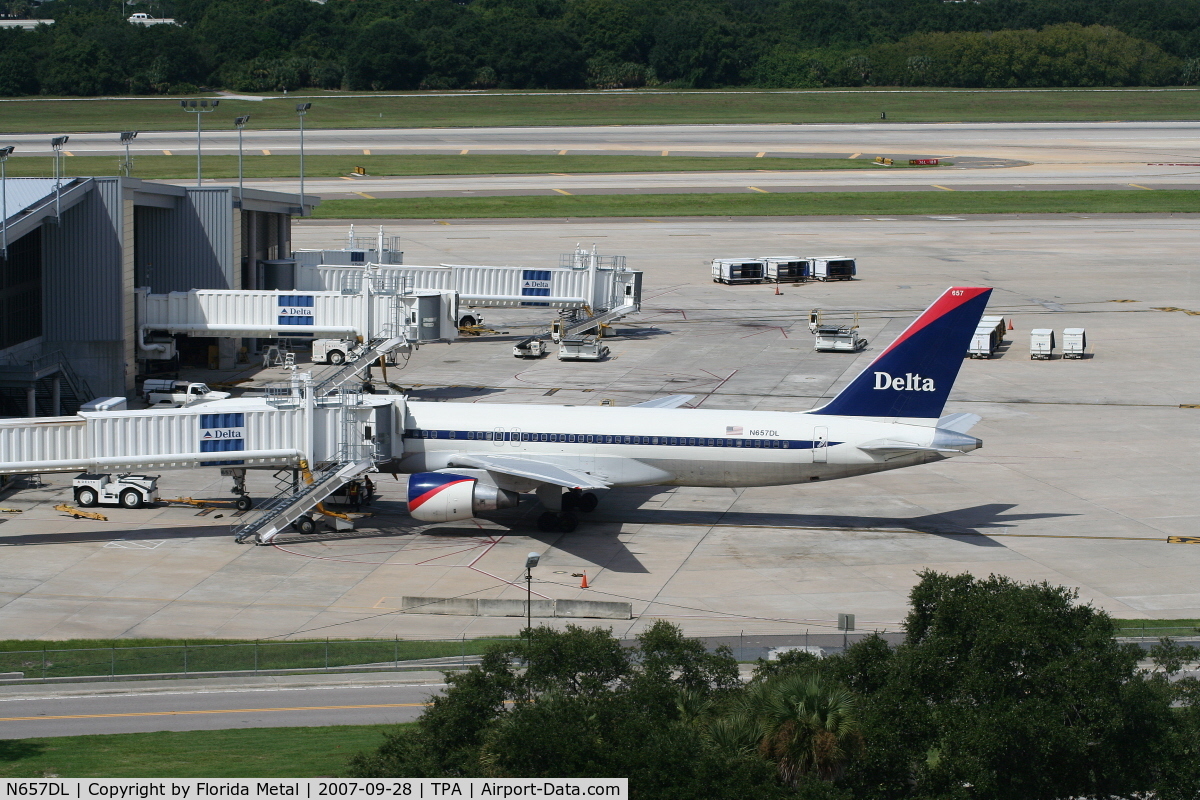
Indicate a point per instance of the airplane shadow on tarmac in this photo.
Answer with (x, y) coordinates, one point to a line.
(596, 540)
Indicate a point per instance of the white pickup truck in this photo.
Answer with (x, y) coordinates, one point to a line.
(179, 393)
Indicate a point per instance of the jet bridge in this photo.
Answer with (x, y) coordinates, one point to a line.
(321, 427)
(583, 279)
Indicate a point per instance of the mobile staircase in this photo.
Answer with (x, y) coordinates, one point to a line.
(299, 505)
(351, 371)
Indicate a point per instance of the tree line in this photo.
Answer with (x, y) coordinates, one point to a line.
(1000, 691)
(272, 45)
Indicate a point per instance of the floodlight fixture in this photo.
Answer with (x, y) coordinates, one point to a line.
(5, 152)
(301, 110)
(239, 123)
(199, 107)
(57, 143)
(127, 164)
(531, 561)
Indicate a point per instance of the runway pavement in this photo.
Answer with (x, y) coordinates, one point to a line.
(30, 711)
(1055, 155)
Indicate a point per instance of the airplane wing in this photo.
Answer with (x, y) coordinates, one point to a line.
(673, 401)
(959, 423)
(523, 467)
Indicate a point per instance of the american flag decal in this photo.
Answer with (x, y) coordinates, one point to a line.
(733, 430)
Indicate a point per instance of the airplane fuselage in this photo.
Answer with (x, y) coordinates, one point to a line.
(654, 446)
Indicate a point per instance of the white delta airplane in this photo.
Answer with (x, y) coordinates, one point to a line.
(466, 459)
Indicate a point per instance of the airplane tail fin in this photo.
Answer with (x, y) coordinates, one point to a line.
(913, 376)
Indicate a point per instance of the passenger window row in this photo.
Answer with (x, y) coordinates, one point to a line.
(598, 438)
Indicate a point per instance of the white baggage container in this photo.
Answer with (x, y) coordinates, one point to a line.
(786, 269)
(738, 270)
(987, 337)
(1041, 343)
(832, 268)
(1074, 342)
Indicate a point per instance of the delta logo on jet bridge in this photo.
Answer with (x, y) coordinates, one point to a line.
(535, 283)
(296, 310)
(222, 433)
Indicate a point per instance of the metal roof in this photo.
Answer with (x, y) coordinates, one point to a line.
(23, 193)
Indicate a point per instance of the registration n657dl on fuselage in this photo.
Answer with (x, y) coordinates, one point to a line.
(472, 458)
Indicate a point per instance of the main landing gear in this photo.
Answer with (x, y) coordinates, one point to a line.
(565, 520)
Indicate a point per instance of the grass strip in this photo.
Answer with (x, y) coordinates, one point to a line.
(241, 753)
(37, 659)
(260, 166)
(782, 204)
(1157, 627)
(329, 110)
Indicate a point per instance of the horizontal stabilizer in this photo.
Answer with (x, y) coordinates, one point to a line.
(522, 467)
(894, 446)
(673, 401)
(959, 423)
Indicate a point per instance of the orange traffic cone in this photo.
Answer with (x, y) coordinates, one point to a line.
(777, 289)
(1010, 325)
(584, 584)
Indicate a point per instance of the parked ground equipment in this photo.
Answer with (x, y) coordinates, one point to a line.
(178, 393)
(834, 337)
(987, 337)
(581, 348)
(529, 348)
(127, 491)
(738, 270)
(832, 268)
(786, 269)
(1041, 343)
(1074, 343)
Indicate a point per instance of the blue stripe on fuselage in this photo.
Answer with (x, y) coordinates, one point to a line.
(613, 439)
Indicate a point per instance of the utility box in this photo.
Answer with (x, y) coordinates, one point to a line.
(1074, 342)
(738, 270)
(786, 269)
(832, 268)
(1041, 343)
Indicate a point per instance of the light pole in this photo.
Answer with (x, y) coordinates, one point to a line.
(531, 561)
(127, 164)
(57, 144)
(199, 108)
(5, 152)
(240, 123)
(301, 110)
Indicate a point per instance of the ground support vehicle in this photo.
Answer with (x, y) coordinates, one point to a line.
(581, 348)
(179, 393)
(127, 491)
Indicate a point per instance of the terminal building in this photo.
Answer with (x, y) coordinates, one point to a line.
(78, 248)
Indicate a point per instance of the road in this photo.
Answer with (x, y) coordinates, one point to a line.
(1054, 155)
(77, 709)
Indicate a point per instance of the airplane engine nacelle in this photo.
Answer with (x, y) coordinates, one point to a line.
(445, 496)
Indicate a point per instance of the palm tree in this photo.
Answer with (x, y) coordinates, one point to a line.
(807, 725)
